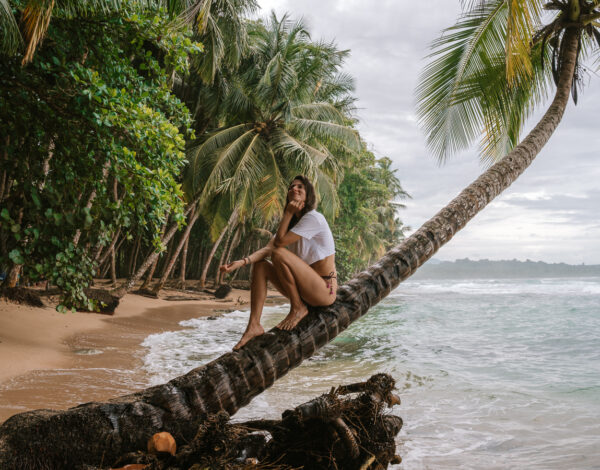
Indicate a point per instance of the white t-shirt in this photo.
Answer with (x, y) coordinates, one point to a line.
(316, 242)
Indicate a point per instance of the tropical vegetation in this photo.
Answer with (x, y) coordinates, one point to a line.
(157, 139)
(459, 68)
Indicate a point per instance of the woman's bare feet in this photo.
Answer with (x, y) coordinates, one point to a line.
(293, 318)
(251, 332)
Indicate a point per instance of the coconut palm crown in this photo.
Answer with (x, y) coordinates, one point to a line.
(496, 65)
(285, 112)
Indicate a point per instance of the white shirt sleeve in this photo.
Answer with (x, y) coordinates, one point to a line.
(307, 227)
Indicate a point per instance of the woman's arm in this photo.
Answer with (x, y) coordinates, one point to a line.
(252, 258)
(284, 237)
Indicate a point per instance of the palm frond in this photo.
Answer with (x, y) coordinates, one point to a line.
(448, 125)
(11, 39)
(327, 131)
(271, 189)
(505, 108)
(327, 191)
(319, 111)
(523, 19)
(290, 148)
(202, 156)
(35, 19)
(75, 8)
(243, 164)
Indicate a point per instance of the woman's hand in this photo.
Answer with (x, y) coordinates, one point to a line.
(227, 268)
(294, 206)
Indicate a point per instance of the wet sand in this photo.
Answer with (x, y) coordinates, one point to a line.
(54, 360)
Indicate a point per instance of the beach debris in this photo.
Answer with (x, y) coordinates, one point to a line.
(22, 295)
(162, 442)
(222, 291)
(107, 302)
(332, 431)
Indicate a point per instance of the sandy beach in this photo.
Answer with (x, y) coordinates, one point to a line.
(55, 360)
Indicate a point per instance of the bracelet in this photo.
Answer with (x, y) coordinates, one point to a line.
(249, 261)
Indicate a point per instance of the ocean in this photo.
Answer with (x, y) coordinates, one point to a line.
(492, 374)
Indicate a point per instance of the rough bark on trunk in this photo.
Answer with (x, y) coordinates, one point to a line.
(232, 220)
(171, 263)
(113, 267)
(217, 277)
(155, 264)
(130, 282)
(184, 254)
(102, 259)
(98, 432)
(13, 275)
(227, 256)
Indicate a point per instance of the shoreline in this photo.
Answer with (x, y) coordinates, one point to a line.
(55, 360)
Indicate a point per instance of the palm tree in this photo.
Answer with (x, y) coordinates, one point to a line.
(215, 21)
(108, 429)
(220, 26)
(285, 112)
(273, 127)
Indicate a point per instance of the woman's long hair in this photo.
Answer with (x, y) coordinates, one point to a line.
(309, 204)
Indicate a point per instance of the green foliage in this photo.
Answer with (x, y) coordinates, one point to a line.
(367, 224)
(96, 129)
(284, 112)
(92, 139)
(464, 93)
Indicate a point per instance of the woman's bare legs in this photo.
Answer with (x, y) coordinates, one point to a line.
(301, 283)
(262, 271)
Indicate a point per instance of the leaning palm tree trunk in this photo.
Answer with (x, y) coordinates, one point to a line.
(99, 432)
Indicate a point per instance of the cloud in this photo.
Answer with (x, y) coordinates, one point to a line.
(549, 213)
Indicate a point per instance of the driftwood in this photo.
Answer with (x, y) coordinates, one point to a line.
(107, 303)
(22, 295)
(332, 431)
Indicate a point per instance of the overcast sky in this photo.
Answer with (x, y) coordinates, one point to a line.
(549, 214)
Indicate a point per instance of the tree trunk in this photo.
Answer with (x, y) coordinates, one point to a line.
(232, 220)
(99, 432)
(4, 181)
(92, 196)
(235, 240)
(153, 267)
(217, 277)
(102, 259)
(171, 262)
(13, 275)
(113, 267)
(128, 285)
(184, 253)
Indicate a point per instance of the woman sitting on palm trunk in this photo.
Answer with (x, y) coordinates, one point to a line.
(302, 265)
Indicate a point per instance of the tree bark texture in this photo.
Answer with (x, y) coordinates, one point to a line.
(103, 257)
(183, 264)
(128, 285)
(232, 220)
(171, 263)
(155, 264)
(100, 432)
(234, 243)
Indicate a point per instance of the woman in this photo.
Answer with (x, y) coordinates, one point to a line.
(304, 272)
